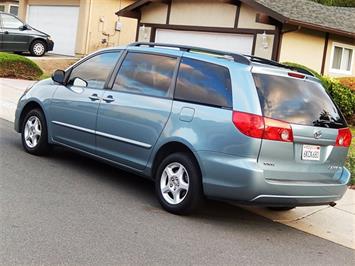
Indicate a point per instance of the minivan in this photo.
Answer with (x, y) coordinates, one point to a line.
(17, 36)
(198, 122)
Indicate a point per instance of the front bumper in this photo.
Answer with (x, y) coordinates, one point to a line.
(241, 179)
(50, 45)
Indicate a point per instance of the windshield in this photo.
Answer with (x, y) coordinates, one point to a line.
(297, 101)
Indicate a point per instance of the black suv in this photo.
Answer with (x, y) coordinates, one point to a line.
(17, 36)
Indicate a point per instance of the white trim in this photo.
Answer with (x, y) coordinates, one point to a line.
(341, 71)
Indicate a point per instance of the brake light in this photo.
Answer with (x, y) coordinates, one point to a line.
(296, 75)
(262, 127)
(344, 137)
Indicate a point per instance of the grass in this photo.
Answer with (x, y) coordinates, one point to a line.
(18, 67)
(350, 161)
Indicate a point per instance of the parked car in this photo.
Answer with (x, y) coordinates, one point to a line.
(17, 36)
(200, 123)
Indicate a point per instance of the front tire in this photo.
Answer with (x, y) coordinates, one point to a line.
(38, 48)
(178, 184)
(34, 133)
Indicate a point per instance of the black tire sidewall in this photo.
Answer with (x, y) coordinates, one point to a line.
(194, 195)
(33, 44)
(43, 145)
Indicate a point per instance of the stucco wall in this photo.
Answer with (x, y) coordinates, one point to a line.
(154, 13)
(247, 18)
(304, 47)
(202, 13)
(341, 40)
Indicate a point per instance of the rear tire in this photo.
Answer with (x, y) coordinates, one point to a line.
(280, 209)
(38, 48)
(34, 133)
(178, 184)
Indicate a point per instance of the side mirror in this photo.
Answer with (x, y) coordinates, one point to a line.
(78, 82)
(24, 27)
(59, 76)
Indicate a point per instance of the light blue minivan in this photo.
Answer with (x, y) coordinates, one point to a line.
(200, 123)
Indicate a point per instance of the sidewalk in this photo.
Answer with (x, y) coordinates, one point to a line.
(10, 91)
(336, 224)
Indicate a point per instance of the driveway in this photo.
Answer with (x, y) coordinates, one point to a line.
(68, 209)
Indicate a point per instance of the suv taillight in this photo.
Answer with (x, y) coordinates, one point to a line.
(260, 127)
(344, 137)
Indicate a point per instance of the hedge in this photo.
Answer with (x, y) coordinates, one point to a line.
(18, 67)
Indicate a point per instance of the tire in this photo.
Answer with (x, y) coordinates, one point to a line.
(184, 192)
(280, 209)
(38, 48)
(34, 133)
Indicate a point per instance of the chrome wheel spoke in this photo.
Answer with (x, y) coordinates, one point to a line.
(174, 183)
(32, 132)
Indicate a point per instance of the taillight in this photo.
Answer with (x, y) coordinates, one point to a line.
(260, 127)
(344, 137)
(296, 75)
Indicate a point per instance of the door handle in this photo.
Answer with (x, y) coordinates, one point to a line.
(109, 99)
(94, 97)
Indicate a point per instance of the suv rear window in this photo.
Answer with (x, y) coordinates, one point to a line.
(203, 83)
(297, 101)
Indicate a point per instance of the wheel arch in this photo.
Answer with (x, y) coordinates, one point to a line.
(38, 39)
(30, 106)
(170, 148)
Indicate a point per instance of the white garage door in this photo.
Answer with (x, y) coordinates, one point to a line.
(60, 22)
(238, 43)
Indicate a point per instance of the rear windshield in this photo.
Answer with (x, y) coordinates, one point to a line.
(297, 101)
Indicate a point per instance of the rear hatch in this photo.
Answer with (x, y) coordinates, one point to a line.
(318, 143)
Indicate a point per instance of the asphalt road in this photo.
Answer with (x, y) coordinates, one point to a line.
(69, 209)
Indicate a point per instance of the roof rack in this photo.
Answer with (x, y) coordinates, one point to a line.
(277, 64)
(236, 57)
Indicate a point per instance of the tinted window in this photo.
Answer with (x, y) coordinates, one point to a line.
(205, 83)
(95, 70)
(10, 22)
(297, 101)
(146, 74)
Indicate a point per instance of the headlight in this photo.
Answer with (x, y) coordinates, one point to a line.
(49, 38)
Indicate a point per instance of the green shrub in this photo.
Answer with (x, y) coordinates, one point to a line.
(343, 96)
(19, 67)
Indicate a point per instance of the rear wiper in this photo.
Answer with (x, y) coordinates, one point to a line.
(327, 123)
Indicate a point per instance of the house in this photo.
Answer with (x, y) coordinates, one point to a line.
(9, 6)
(320, 37)
(79, 27)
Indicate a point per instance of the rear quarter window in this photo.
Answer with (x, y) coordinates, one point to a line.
(297, 101)
(203, 83)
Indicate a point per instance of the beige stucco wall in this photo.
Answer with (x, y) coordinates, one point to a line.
(304, 47)
(340, 40)
(247, 16)
(154, 13)
(106, 9)
(207, 13)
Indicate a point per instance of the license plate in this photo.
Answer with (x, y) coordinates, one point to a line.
(311, 153)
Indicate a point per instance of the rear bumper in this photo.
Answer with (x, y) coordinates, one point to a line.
(241, 179)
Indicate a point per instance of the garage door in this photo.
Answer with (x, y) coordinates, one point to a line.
(238, 43)
(60, 22)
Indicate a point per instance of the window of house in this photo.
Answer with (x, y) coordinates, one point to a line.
(95, 70)
(13, 10)
(204, 83)
(342, 58)
(146, 74)
(2, 8)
